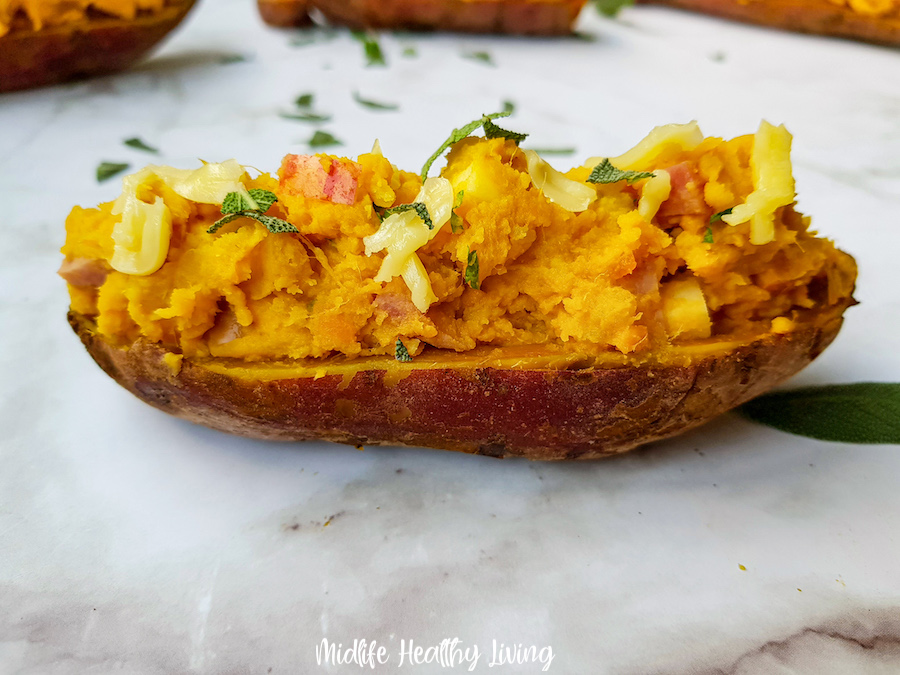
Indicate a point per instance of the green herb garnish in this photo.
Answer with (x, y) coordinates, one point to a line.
(305, 117)
(708, 237)
(554, 151)
(509, 107)
(491, 130)
(456, 223)
(304, 100)
(864, 412)
(410, 52)
(322, 139)
(374, 55)
(716, 217)
(419, 207)
(611, 8)
(401, 353)
(456, 136)
(472, 274)
(237, 205)
(107, 170)
(605, 172)
(138, 144)
(227, 59)
(373, 105)
(483, 57)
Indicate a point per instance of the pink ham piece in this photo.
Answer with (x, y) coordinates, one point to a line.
(686, 197)
(304, 174)
(84, 271)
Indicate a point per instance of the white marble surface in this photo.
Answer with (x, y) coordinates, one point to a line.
(131, 542)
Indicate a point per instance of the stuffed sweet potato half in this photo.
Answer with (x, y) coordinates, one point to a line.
(868, 20)
(46, 41)
(520, 17)
(502, 308)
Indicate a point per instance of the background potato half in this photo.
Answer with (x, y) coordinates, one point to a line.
(806, 16)
(473, 402)
(521, 17)
(98, 45)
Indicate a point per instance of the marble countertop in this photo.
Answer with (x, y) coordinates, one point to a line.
(135, 543)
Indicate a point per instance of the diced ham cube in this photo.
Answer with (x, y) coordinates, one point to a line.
(84, 271)
(304, 174)
(686, 197)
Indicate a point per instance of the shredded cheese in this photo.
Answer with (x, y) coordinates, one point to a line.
(686, 136)
(656, 191)
(143, 233)
(773, 183)
(565, 192)
(402, 234)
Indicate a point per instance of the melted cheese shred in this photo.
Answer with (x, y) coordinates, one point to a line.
(773, 183)
(565, 266)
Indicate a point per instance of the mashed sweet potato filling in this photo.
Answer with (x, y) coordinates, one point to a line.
(612, 277)
(44, 13)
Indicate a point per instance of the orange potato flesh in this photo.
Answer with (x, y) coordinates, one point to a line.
(522, 17)
(822, 17)
(35, 58)
(498, 402)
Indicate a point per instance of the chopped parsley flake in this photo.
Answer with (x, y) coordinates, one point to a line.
(605, 172)
(456, 223)
(138, 144)
(306, 117)
(611, 8)
(554, 151)
(107, 170)
(374, 55)
(304, 100)
(322, 139)
(472, 273)
(509, 107)
(373, 105)
(716, 217)
(482, 57)
(457, 135)
(420, 209)
(227, 59)
(491, 130)
(236, 205)
(708, 237)
(401, 353)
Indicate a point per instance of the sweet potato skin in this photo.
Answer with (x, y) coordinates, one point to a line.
(806, 16)
(30, 58)
(520, 17)
(538, 414)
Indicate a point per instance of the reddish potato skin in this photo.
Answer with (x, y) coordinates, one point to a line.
(30, 58)
(520, 17)
(805, 16)
(284, 13)
(536, 414)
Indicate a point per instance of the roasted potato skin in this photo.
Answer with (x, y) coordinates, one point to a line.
(538, 414)
(806, 16)
(520, 17)
(30, 58)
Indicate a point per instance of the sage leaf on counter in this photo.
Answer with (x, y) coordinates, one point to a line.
(482, 57)
(611, 8)
(107, 170)
(863, 412)
(373, 105)
(322, 139)
(371, 47)
(139, 144)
